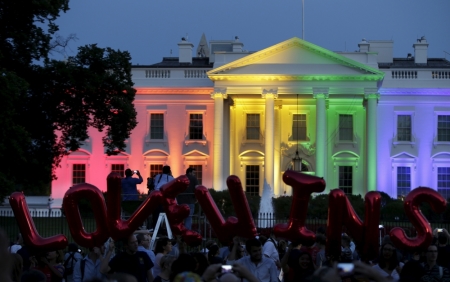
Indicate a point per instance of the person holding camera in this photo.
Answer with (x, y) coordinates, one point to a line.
(70, 259)
(129, 188)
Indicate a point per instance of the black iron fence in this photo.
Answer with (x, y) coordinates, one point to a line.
(49, 226)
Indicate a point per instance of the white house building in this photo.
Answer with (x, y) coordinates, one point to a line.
(363, 120)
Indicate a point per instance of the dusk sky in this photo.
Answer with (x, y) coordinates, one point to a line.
(150, 29)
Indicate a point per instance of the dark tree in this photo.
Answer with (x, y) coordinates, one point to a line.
(48, 105)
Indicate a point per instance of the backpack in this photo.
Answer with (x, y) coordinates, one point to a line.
(68, 270)
(150, 183)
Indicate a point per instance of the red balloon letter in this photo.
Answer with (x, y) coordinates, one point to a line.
(70, 204)
(365, 235)
(119, 228)
(245, 225)
(177, 213)
(226, 230)
(418, 220)
(303, 185)
(28, 230)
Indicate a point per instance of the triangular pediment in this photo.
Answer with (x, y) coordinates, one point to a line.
(156, 153)
(79, 153)
(251, 154)
(442, 155)
(345, 155)
(403, 155)
(296, 59)
(195, 153)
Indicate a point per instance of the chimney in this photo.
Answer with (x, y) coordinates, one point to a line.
(185, 51)
(420, 51)
(237, 45)
(363, 46)
(384, 48)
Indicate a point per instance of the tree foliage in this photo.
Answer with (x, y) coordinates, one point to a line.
(48, 105)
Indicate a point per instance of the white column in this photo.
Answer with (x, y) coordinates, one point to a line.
(218, 178)
(234, 166)
(277, 157)
(269, 95)
(371, 115)
(321, 94)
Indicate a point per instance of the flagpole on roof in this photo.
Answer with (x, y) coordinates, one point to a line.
(303, 19)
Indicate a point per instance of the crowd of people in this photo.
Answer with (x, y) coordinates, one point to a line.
(263, 259)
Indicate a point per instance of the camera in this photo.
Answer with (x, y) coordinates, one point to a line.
(227, 268)
(345, 269)
(439, 229)
(135, 171)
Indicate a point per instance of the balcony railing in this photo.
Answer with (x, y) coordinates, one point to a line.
(440, 74)
(195, 74)
(174, 73)
(404, 74)
(157, 73)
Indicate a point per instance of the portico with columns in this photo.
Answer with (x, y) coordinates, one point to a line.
(296, 83)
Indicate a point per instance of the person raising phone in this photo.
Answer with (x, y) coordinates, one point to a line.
(129, 188)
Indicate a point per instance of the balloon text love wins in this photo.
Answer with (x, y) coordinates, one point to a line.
(340, 213)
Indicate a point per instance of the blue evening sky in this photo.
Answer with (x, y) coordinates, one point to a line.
(150, 29)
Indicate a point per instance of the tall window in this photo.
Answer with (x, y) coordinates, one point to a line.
(78, 173)
(156, 126)
(155, 169)
(443, 128)
(299, 127)
(404, 128)
(198, 173)
(403, 181)
(346, 179)
(196, 126)
(443, 181)
(119, 168)
(252, 180)
(253, 127)
(345, 127)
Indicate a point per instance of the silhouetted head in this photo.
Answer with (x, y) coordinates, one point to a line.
(166, 169)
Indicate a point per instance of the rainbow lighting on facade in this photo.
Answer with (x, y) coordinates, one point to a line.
(363, 120)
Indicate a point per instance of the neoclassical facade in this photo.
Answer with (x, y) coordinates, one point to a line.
(363, 120)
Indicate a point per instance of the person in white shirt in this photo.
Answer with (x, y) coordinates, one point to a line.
(144, 245)
(270, 250)
(160, 180)
(88, 268)
(162, 248)
(388, 265)
(17, 246)
(163, 178)
(262, 267)
(70, 259)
